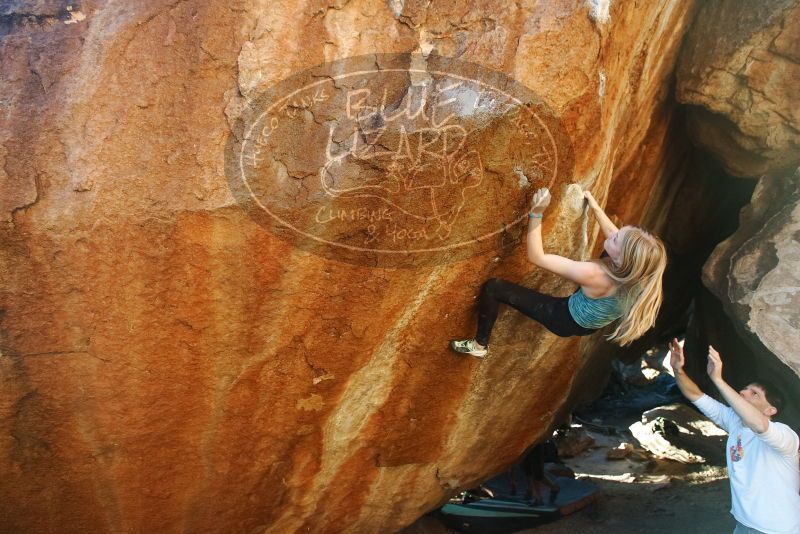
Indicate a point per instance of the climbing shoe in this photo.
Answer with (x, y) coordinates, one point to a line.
(468, 346)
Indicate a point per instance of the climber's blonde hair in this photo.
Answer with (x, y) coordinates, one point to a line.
(639, 270)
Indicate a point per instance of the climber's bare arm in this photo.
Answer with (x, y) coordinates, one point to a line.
(584, 273)
(608, 227)
(685, 384)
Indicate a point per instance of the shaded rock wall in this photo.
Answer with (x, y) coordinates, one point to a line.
(739, 70)
(170, 366)
(756, 272)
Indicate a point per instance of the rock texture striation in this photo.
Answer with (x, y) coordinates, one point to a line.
(168, 365)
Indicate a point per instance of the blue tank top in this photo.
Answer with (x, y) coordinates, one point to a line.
(594, 313)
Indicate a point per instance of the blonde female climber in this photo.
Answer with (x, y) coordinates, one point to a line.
(625, 285)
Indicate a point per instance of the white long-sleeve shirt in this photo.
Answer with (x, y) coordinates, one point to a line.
(763, 471)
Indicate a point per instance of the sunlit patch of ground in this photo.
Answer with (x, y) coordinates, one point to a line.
(647, 495)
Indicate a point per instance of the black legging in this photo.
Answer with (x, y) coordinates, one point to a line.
(552, 312)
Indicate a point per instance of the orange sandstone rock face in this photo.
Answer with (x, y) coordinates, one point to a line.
(171, 362)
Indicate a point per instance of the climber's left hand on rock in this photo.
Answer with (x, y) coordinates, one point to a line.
(541, 199)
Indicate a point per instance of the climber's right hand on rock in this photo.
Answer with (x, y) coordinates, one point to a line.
(590, 199)
(541, 199)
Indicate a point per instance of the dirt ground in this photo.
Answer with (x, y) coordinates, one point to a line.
(648, 497)
(639, 496)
